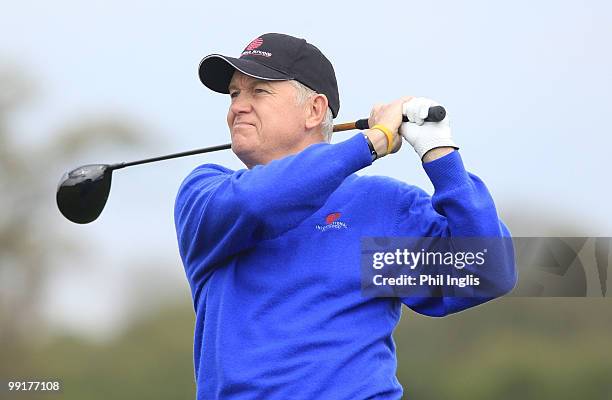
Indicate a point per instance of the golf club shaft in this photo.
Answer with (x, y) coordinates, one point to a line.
(342, 127)
(436, 114)
(170, 156)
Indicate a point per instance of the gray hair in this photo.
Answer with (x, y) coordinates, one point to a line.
(303, 94)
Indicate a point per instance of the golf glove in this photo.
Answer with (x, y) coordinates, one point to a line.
(424, 136)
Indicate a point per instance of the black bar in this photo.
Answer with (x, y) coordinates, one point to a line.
(435, 114)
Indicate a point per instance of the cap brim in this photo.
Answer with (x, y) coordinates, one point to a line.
(216, 71)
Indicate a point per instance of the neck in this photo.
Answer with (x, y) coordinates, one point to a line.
(309, 139)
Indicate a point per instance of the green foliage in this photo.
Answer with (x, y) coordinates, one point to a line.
(151, 360)
(509, 349)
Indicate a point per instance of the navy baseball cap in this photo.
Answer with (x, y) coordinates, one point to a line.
(275, 57)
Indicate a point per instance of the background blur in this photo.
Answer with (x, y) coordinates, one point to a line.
(105, 306)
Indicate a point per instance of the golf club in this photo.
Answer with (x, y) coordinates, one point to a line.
(82, 192)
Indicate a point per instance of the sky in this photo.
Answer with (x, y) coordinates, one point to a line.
(526, 84)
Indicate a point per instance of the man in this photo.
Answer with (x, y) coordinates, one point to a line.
(272, 252)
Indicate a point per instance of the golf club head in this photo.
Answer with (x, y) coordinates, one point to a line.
(82, 192)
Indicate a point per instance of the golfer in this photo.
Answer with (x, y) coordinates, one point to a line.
(272, 251)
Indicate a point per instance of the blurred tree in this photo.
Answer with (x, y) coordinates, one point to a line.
(28, 241)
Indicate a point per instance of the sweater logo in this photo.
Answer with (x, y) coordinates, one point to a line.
(331, 222)
(332, 217)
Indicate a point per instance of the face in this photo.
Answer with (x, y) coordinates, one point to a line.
(265, 120)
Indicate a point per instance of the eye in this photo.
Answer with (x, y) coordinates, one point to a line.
(234, 93)
(260, 90)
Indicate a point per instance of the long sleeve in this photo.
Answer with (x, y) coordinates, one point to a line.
(460, 207)
(219, 212)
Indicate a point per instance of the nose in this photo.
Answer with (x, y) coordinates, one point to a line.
(240, 104)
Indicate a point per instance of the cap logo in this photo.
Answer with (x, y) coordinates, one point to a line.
(251, 49)
(254, 44)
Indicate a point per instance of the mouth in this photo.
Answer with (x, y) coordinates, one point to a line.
(242, 124)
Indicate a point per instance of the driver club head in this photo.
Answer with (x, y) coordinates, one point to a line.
(82, 192)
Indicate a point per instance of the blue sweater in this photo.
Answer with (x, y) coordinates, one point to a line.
(272, 256)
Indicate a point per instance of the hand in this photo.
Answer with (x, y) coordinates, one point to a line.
(424, 136)
(390, 116)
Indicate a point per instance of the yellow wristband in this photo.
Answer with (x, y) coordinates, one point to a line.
(388, 134)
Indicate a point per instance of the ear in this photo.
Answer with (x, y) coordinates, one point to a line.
(317, 108)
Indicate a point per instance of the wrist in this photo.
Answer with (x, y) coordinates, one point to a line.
(379, 141)
(371, 148)
(388, 134)
(436, 153)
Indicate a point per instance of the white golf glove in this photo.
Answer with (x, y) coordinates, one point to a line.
(424, 136)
